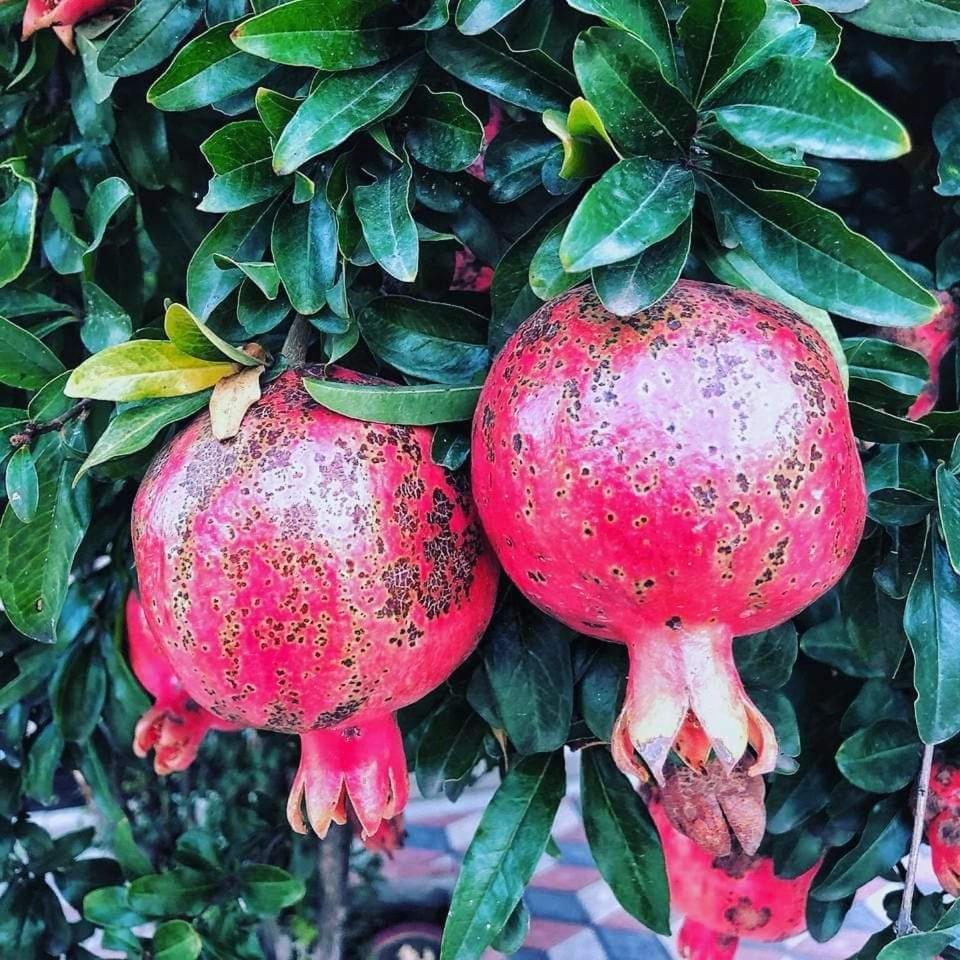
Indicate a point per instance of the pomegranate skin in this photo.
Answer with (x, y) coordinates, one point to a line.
(60, 15)
(174, 727)
(943, 824)
(312, 576)
(735, 897)
(670, 480)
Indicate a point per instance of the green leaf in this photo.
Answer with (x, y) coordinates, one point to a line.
(448, 750)
(548, 279)
(209, 68)
(242, 236)
(766, 659)
(713, 32)
(478, 16)
(421, 405)
(728, 157)
(342, 104)
(528, 79)
(36, 558)
(645, 19)
(442, 133)
(262, 274)
(621, 77)
(439, 342)
(624, 842)
(513, 163)
(582, 156)
(23, 487)
(133, 429)
(142, 143)
(932, 623)
(78, 692)
(275, 109)
(140, 369)
(632, 285)
(802, 104)
(633, 205)
(327, 34)
(110, 907)
(256, 314)
(43, 761)
(105, 322)
(267, 890)
(948, 504)
(388, 225)
(107, 199)
(884, 841)
(527, 660)
(25, 361)
(147, 35)
(241, 156)
(500, 860)
(177, 891)
(512, 934)
(601, 690)
(61, 245)
(884, 373)
(812, 254)
(99, 85)
(936, 20)
(881, 758)
(193, 337)
(436, 16)
(176, 940)
(18, 222)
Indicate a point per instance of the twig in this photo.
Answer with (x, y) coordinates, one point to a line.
(295, 346)
(34, 428)
(333, 868)
(904, 924)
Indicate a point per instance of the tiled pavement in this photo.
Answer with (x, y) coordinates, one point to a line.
(574, 915)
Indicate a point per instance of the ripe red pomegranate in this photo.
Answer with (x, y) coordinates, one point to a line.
(943, 824)
(313, 575)
(176, 724)
(61, 15)
(669, 481)
(932, 340)
(724, 899)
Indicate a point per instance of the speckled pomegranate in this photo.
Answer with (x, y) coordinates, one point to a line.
(725, 899)
(312, 576)
(174, 727)
(943, 824)
(669, 481)
(931, 340)
(60, 15)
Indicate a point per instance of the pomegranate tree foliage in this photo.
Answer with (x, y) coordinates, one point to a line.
(198, 174)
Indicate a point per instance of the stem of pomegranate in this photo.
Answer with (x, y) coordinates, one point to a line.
(904, 924)
(294, 349)
(333, 866)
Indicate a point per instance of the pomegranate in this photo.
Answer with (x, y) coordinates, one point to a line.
(943, 824)
(469, 273)
(60, 15)
(313, 575)
(932, 340)
(727, 898)
(668, 481)
(175, 725)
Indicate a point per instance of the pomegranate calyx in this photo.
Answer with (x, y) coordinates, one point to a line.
(358, 768)
(174, 729)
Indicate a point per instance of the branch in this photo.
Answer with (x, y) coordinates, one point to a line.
(34, 428)
(295, 346)
(904, 924)
(333, 867)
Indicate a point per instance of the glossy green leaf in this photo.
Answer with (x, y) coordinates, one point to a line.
(176, 940)
(18, 221)
(275, 109)
(262, 274)
(624, 842)
(478, 16)
(175, 891)
(528, 79)
(632, 285)
(61, 245)
(147, 35)
(728, 157)
(22, 485)
(209, 68)
(105, 322)
(766, 659)
(420, 405)
(645, 19)
(439, 342)
(582, 156)
(110, 907)
(43, 761)
(813, 255)
(78, 692)
(388, 226)
(548, 279)
(621, 77)
(500, 860)
(443, 134)
(512, 934)
(107, 199)
(194, 338)
(932, 623)
(513, 163)
(948, 503)
(341, 104)
(632, 206)
(241, 156)
(452, 741)
(803, 104)
(140, 369)
(936, 20)
(133, 429)
(266, 890)
(327, 34)
(601, 689)
(304, 244)
(881, 758)
(25, 361)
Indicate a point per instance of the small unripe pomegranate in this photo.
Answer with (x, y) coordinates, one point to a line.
(669, 481)
(174, 727)
(313, 575)
(724, 899)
